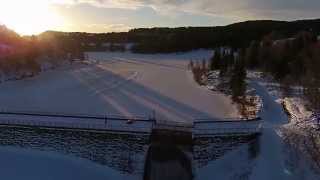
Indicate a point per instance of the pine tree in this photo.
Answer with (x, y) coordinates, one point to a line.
(226, 63)
(204, 65)
(215, 60)
(191, 65)
(252, 55)
(237, 81)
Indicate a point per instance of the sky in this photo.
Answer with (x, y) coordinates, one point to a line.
(35, 16)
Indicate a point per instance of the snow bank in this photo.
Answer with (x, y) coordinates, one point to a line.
(45, 64)
(253, 103)
(293, 103)
(296, 108)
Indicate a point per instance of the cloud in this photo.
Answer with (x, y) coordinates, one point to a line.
(238, 9)
(109, 27)
(127, 4)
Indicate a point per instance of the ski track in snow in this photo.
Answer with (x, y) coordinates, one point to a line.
(121, 84)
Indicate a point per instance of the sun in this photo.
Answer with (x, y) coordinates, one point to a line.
(28, 17)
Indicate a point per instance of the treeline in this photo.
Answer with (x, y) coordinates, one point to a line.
(200, 71)
(237, 35)
(8, 36)
(292, 62)
(164, 40)
(90, 41)
(16, 53)
(231, 66)
(26, 56)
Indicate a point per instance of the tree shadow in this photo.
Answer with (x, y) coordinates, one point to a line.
(129, 97)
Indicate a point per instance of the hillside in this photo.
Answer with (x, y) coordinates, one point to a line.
(155, 40)
(8, 36)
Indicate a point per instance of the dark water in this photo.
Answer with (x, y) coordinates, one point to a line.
(125, 153)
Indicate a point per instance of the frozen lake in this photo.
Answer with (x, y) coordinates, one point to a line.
(120, 84)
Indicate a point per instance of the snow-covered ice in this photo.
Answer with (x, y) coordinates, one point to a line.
(120, 84)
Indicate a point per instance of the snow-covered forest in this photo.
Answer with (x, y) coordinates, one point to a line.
(287, 69)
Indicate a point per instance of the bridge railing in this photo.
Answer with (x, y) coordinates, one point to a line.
(173, 125)
(128, 124)
(91, 122)
(227, 126)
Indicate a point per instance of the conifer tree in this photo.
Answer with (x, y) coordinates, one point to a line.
(237, 81)
(215, 60)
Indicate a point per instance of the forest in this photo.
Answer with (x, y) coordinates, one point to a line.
(293, 62)
(25, 56)
(166, 40)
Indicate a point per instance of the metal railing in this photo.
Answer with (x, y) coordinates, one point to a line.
(128, 124)
(227, 126)
(88, 122)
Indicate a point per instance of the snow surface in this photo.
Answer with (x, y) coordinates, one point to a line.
(18, 164)
(271, 163)
(120, 84)
(232, 166)
(274, 158)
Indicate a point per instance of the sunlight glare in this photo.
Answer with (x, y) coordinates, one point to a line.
(28, 17)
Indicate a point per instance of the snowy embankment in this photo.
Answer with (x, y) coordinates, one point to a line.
(45, 64)
(123, 84)
(276, 159)
(293, 103)
(252, 103)
(17, 164)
